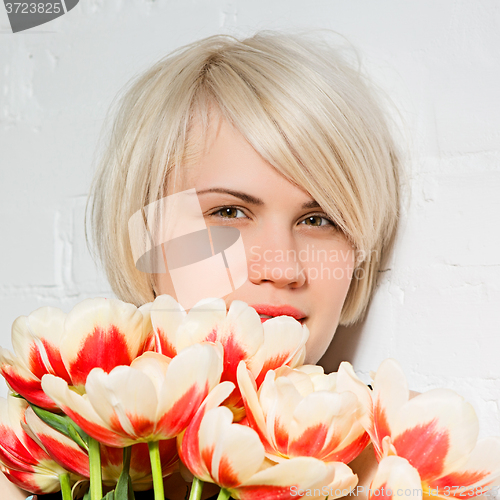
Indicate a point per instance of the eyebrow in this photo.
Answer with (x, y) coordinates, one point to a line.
(252, 199)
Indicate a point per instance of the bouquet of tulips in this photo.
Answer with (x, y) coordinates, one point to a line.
(111, 399)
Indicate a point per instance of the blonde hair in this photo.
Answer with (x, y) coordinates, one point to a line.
(301, 106)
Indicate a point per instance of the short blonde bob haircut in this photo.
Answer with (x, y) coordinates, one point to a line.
(302, 107)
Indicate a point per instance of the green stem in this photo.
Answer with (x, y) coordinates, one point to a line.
(196, 489)
(154, 456)
(65, 486)
(223, 494)
(95, 469)
(127, 455)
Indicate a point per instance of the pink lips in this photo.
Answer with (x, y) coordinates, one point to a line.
(273, 311)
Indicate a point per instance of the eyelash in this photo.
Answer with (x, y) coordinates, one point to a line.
(225, 207)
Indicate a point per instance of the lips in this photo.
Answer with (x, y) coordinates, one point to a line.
(268, 311)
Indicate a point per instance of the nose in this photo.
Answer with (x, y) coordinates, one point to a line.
(274, 257)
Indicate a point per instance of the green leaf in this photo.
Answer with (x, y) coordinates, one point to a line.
(109, 495)
(57, 422)
(124, 489)
(64, 425)
(77, 434)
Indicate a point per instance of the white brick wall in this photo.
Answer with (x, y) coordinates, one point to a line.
(437, 308)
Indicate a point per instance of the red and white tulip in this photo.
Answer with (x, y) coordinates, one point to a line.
(299, 412)
(99, 332)
(262, 346)
(153, 399)
(232, 456)
(436, 432)
(23, 461)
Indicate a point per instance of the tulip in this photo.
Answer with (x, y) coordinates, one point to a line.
(23, 461)
(232, 456)
(151, 400)
(299, 412)
(436, 432)
(262, 346)
(100, 333)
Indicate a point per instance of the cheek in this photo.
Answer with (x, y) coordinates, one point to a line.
(164, 285)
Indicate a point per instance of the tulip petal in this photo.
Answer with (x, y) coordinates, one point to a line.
(241, 335)
(154, 365)
(278, 399)
(478, 474)
(231, 452)
(166, 315)
(79, 409)
(254, 414)
(352, 445)
(201, 323)
(398, 479)
(305, 377)
(36, 340)
(125, 398)
(190, 377)
(14, 453)
(240, 332)
(102, 333)
(389, 395)
(22, 381)
(344, 480)
(347, 380)
(284, 343)
(188, 442)
(321, 422)
(342, 485)
(38, 482)
(435, 432)
(320, 380)
(284, 480)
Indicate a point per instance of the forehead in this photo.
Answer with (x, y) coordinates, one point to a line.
(223, 158)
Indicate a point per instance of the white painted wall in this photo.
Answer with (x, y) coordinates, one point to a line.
(436, 310)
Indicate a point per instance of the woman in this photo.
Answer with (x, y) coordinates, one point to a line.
(281, 139)
(283, 120)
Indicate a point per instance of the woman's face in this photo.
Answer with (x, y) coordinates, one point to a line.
(299, 263)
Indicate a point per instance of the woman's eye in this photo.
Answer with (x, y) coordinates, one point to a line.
(317, 220)
(229, 213)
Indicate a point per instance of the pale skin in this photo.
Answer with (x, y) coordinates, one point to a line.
(9, 490)
(277, 220)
